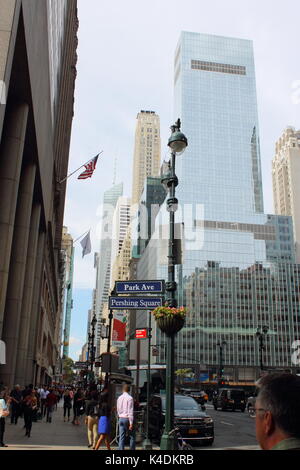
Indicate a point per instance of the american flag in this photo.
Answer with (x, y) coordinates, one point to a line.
(90, 167)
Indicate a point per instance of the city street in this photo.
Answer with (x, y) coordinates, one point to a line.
(232, 431)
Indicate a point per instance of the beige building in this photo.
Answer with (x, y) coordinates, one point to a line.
(286, 180)
(120, 267)
(38, 42)
(146, 160)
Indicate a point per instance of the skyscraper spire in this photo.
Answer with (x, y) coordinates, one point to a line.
(115, 171)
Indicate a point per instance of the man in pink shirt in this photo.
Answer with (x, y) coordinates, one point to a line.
(125, 408)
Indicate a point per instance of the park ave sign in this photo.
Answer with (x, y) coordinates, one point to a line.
(139, 287)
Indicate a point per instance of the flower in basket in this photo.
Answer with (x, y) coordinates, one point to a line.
(169, 312)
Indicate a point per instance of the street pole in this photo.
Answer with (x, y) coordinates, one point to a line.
(177, 143)
(167, 440)
(147, 443)
(138, 362)
(261, 338)
(221, 362)
(110, 317)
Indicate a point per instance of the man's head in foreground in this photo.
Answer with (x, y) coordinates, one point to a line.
(277, 409)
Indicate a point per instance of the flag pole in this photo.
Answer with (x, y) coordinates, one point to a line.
(85, 233)
(71, 174)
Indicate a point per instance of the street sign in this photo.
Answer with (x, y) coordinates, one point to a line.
(141, 333)
(135, 303)
(80, 365)
(140, 287)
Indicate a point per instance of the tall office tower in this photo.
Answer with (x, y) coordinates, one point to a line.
(236, 275)
(120, 224)
(103, 260)
(146, 161)
(38, 66)
(286, 181)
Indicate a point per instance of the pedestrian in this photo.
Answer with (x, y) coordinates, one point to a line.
(43, 392)
(78, 406)
(125, 408)
(50, 404)
(104, 426)
(16, 399)
(104, 395)
(91, 420)
(67, 404)
(277, 412)
(4, 413)
(29, 407)
(57, 394)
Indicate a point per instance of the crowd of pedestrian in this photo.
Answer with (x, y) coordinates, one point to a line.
(29, 403)
(91, 406)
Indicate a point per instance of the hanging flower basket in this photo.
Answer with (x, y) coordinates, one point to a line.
(170, 320)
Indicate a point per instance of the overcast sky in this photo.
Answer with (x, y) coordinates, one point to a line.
(126, 56)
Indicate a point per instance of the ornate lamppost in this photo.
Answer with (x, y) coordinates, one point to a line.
(261, 336)
(177, 143)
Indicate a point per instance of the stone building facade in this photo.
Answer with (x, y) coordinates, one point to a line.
(38, 70)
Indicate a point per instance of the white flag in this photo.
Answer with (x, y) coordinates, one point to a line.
(86, 245)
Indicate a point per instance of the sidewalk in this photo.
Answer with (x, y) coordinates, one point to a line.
(50, 436)
(47, 436)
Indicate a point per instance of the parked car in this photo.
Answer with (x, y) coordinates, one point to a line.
(199, 395)
(195, 425)
(228, 398)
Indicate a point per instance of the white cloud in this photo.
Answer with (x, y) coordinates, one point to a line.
(75, 341)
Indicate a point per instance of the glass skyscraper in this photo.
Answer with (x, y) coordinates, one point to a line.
(238, 270)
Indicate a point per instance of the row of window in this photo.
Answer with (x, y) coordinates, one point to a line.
(215, 67)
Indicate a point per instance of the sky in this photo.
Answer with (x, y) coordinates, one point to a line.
(125, 64)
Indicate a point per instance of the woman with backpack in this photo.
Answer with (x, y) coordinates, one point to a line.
(78, 406)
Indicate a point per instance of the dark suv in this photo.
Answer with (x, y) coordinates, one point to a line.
(228, 398)
(195, 426)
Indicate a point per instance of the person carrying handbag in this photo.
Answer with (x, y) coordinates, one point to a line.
(4, 413)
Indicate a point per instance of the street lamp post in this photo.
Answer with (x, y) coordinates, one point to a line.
(177, 143)
(93, 324)
(261, 335)
(221, 371)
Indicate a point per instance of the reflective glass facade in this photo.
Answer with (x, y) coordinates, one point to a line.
(238, 271)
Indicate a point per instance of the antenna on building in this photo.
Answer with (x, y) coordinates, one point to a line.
(115, 172)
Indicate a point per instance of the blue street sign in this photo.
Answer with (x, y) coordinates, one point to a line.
(139, 287)
(135, 303)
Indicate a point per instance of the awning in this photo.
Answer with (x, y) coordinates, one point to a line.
(2, 353)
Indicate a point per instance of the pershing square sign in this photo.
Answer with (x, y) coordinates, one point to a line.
(135, 303)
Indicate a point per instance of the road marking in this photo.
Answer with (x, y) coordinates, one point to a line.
(228, 424)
